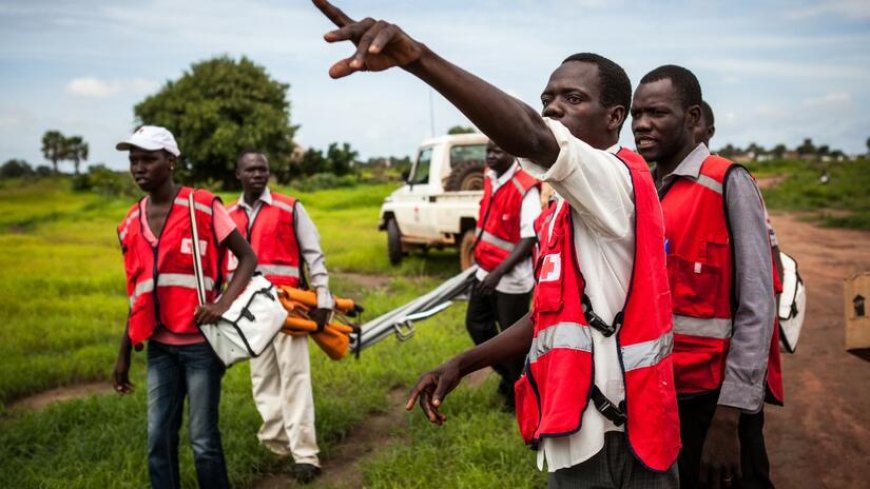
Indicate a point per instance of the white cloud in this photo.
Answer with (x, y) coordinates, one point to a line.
(851, 9)
(97, 88)
(782, 69)
(829, 100)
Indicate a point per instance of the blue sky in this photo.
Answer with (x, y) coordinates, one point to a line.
(774, 71)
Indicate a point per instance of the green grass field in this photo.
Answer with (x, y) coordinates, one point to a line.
(843, 202)
(62, 306)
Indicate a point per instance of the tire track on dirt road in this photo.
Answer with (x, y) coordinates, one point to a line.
(821, 437)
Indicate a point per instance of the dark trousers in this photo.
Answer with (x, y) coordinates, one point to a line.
(614, 467)
(696, 414)
(489, 315)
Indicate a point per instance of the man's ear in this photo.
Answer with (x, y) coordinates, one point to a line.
(615, 117)
(693, 116)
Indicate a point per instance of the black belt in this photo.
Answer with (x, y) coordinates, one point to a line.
(595, 321)
(614, 413)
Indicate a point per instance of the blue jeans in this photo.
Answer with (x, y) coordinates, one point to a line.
(173, 372)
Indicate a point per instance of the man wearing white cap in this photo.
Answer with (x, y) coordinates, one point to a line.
(155, 238)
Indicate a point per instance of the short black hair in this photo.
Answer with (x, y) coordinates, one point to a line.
(684, 81)
(708, 113)
(615, 84)
(249, 151)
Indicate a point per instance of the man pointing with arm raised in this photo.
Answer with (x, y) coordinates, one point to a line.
(600, 326)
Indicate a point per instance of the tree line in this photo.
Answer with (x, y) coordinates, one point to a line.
(222, 106)
(806, 150)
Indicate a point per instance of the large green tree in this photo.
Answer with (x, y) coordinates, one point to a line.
(76, 149)
(218, 108)
(15, 169)
(341, 158)
(53, 147)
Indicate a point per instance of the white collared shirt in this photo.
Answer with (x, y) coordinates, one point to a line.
(597, 186)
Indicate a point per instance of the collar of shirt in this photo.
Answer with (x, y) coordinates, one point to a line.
(498, 181)
(266, 197)
(690, 167)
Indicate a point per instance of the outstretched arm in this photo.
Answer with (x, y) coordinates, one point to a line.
(510, 123)
(433, 386)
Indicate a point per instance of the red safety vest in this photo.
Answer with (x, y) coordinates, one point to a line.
(700, 270)
(498, 223)
(173, 301)
(557, 383)
(273, 238)
(542, 225)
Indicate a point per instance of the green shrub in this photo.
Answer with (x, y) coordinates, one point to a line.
(323, 181)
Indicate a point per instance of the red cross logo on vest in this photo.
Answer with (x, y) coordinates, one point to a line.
(551, 268)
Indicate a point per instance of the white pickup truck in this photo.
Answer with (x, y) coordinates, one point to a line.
(438, 205)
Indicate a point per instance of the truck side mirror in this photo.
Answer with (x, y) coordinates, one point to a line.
(405, 175)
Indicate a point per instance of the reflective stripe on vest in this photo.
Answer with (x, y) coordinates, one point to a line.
(647, 353)
(280, 270)
(710, 183)
(719, 328)
(199, 206)
(503, 244)
(169, 280)
(133, 215)
(282, 205)
(566, 335)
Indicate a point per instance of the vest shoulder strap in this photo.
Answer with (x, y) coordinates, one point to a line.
(524, 181)
(716, 167)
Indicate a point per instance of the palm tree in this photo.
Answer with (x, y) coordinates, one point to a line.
(53, 145)
(76, 149)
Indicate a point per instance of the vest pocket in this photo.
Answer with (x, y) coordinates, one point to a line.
(132, 265)
(528, 414)
(694, 286)
(548, 296)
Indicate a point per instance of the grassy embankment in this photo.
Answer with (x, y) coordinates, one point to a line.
(62, 307)
(843, 202)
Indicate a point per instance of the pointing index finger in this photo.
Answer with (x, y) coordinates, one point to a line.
(334, 13)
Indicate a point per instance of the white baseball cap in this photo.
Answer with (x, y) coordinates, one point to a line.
(150, 138)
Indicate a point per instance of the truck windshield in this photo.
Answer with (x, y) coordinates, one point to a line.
(421, 169)
(467, 152)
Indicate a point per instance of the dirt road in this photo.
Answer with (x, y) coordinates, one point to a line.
(821, 438)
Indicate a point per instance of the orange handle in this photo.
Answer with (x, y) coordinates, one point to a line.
(309, 298)
(295, 324)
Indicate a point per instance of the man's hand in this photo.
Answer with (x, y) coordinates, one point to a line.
(720, 457)
(487, 286)
(379, 45)
(209, 313)
(432, 388)
(320, 316)
(121, 375)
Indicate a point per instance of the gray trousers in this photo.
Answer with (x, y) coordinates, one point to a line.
(614, 467)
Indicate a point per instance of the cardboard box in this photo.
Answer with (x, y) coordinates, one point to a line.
(856, 300)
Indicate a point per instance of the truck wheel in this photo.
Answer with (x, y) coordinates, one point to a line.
(394, 242)
(466, 252)
(467, 175)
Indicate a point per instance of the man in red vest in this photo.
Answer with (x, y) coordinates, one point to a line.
(155, 238)
(720, 272)
(505, 237)
(284, 237)
(597, 396)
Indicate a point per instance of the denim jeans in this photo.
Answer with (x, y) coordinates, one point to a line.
(173, 373)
